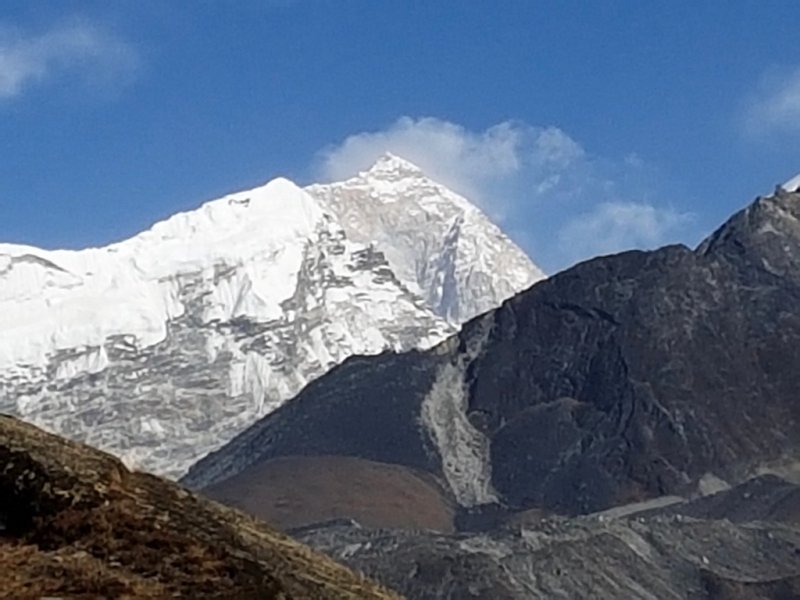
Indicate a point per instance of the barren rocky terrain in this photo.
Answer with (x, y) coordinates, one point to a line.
(652, 556)
(302, 490)
(628, 428)
(624, 378)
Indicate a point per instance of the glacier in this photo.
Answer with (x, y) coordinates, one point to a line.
(163, 347)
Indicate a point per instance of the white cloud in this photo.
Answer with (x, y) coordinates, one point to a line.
(532, 180)
(471, 163)
(776, 106)
(77, 48)
(612, 227)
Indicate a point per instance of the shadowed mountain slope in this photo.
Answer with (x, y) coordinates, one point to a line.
(624, 378)
(765, 498)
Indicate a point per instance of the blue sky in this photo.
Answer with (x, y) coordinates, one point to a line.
(582, 127)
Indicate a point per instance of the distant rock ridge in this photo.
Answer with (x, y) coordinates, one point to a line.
(162, 347)
(624, 378)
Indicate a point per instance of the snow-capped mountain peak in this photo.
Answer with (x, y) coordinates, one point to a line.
(164, 346)
(57, 300)
(390, 166)
(793, 185)
(437, 241)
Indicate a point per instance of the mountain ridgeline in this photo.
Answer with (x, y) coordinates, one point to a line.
(624, 378)
(162, 347)
(367, 373)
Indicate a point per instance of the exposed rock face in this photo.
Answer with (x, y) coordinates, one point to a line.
(765, 498)
(642, 558)
(74, 521)
(722, 588)
(356, 413)
(624, 378)
(162, 347)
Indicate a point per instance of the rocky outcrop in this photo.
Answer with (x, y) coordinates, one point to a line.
(623, 378)
(74, 522)
(764, 498)
(651, 557)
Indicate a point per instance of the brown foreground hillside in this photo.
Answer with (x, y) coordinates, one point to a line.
(74, 522)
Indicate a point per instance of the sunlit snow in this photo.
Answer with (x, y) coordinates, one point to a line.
(163, 347)
(792, 185)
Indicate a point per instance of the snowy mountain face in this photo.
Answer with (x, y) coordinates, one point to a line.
(163, 347)
(443, 247)
(792, 185)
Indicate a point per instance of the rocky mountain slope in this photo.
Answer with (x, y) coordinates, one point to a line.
(296, 491)
(624, 378)
(162, 347)
(638, 557)
(74, 522)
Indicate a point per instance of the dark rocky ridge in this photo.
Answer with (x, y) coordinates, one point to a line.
(765, 498)
(623, 378)
(343, 416)
(664, 557)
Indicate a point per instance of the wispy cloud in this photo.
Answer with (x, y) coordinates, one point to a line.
(76, 49)
(471, 163)
(556, 199)
(775, 107)
(612, 227)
